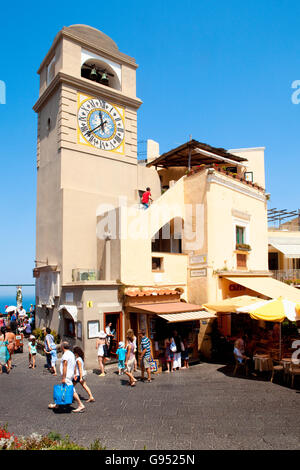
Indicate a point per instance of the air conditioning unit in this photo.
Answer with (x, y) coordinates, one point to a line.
(84, 276)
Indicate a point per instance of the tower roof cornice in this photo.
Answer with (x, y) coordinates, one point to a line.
(92, 40)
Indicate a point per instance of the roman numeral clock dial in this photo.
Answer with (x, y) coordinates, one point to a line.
(100, 124)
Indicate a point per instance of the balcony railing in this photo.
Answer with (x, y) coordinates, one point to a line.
(85, 275)
(285, 228)
(287, 275)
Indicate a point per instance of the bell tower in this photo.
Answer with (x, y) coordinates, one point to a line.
(87, 145)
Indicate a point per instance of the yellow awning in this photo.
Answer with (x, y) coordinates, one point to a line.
(187, 316)
(267, 286)
(230, 305)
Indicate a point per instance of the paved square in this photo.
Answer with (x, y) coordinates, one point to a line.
(203, 407)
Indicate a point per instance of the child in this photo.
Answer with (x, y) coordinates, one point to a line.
(32, 351)
(80, 373)
(121, 353)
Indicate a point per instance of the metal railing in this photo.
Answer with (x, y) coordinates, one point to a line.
(286, 274)
(285, 228)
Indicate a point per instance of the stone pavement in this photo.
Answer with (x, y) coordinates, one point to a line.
(203, 407)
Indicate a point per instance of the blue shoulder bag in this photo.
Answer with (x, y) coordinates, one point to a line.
(63, 394)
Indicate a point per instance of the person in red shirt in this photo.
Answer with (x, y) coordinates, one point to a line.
(146, 197)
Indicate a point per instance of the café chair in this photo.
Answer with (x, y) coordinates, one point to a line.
(239, 365)
(275, 369)
(294, 370)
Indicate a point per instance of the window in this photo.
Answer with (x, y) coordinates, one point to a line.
(157, 264)
(296, 263)
(241, 260)
(240, 235)
(51, 71)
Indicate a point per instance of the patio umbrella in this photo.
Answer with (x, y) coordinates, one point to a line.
(10, 309)
(275, 310)
(232, 304)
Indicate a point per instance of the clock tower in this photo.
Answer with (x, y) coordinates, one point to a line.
(86, 157)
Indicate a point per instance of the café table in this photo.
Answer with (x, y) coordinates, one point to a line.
(262, 362)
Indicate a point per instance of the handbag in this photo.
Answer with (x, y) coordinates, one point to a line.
(173, 347)
(63, 394)
(153, 365)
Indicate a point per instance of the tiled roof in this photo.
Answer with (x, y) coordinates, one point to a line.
(136, 292)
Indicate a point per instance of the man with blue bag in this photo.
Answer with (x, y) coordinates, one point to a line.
(64, 393)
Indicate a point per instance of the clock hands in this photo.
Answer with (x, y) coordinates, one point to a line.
(93, 130)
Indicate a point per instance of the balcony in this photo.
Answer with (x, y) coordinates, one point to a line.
(290, 275)
(85, 275)
(295, 227)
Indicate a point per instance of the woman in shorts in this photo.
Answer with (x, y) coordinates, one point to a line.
(80, 373)
(130, 358)
(102, 350)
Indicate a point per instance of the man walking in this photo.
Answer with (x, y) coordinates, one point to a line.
(145, 356)
(67, 370)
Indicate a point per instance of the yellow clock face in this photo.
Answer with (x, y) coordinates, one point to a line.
(100, 124)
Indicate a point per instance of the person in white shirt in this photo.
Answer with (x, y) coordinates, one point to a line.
(67, 370)
(22, 312)
(109, 336)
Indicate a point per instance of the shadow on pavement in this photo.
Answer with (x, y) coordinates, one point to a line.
(258, 377)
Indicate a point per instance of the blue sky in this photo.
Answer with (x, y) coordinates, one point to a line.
(219, 70)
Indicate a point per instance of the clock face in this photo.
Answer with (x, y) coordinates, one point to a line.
(101, 124)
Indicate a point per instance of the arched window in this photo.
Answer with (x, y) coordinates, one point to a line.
(169, 237)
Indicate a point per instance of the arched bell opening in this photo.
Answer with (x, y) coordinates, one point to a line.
(100, 72)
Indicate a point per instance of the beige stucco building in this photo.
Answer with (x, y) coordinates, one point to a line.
(102, 258)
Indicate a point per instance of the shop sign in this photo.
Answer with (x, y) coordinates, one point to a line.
(235, 287)
(198, 272)
(89, 304)
(198, 259)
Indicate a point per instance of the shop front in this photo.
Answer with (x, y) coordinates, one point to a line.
(163, 318)
(233, 321)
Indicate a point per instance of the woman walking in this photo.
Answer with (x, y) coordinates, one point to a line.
(11, 338)
(80, 373)
(169, 355)
(130, 358)
(177, 354)
(4, 354)
(102, 349)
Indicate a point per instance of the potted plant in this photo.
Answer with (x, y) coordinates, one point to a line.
(243, 247)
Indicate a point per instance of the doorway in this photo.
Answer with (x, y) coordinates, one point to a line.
(115, 318)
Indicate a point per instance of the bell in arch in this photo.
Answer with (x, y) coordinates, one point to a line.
(104, 79)
(93, 74)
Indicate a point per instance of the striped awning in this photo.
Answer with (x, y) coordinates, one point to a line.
(187, 316)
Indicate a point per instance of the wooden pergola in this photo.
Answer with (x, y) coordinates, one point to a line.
(194, 153)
